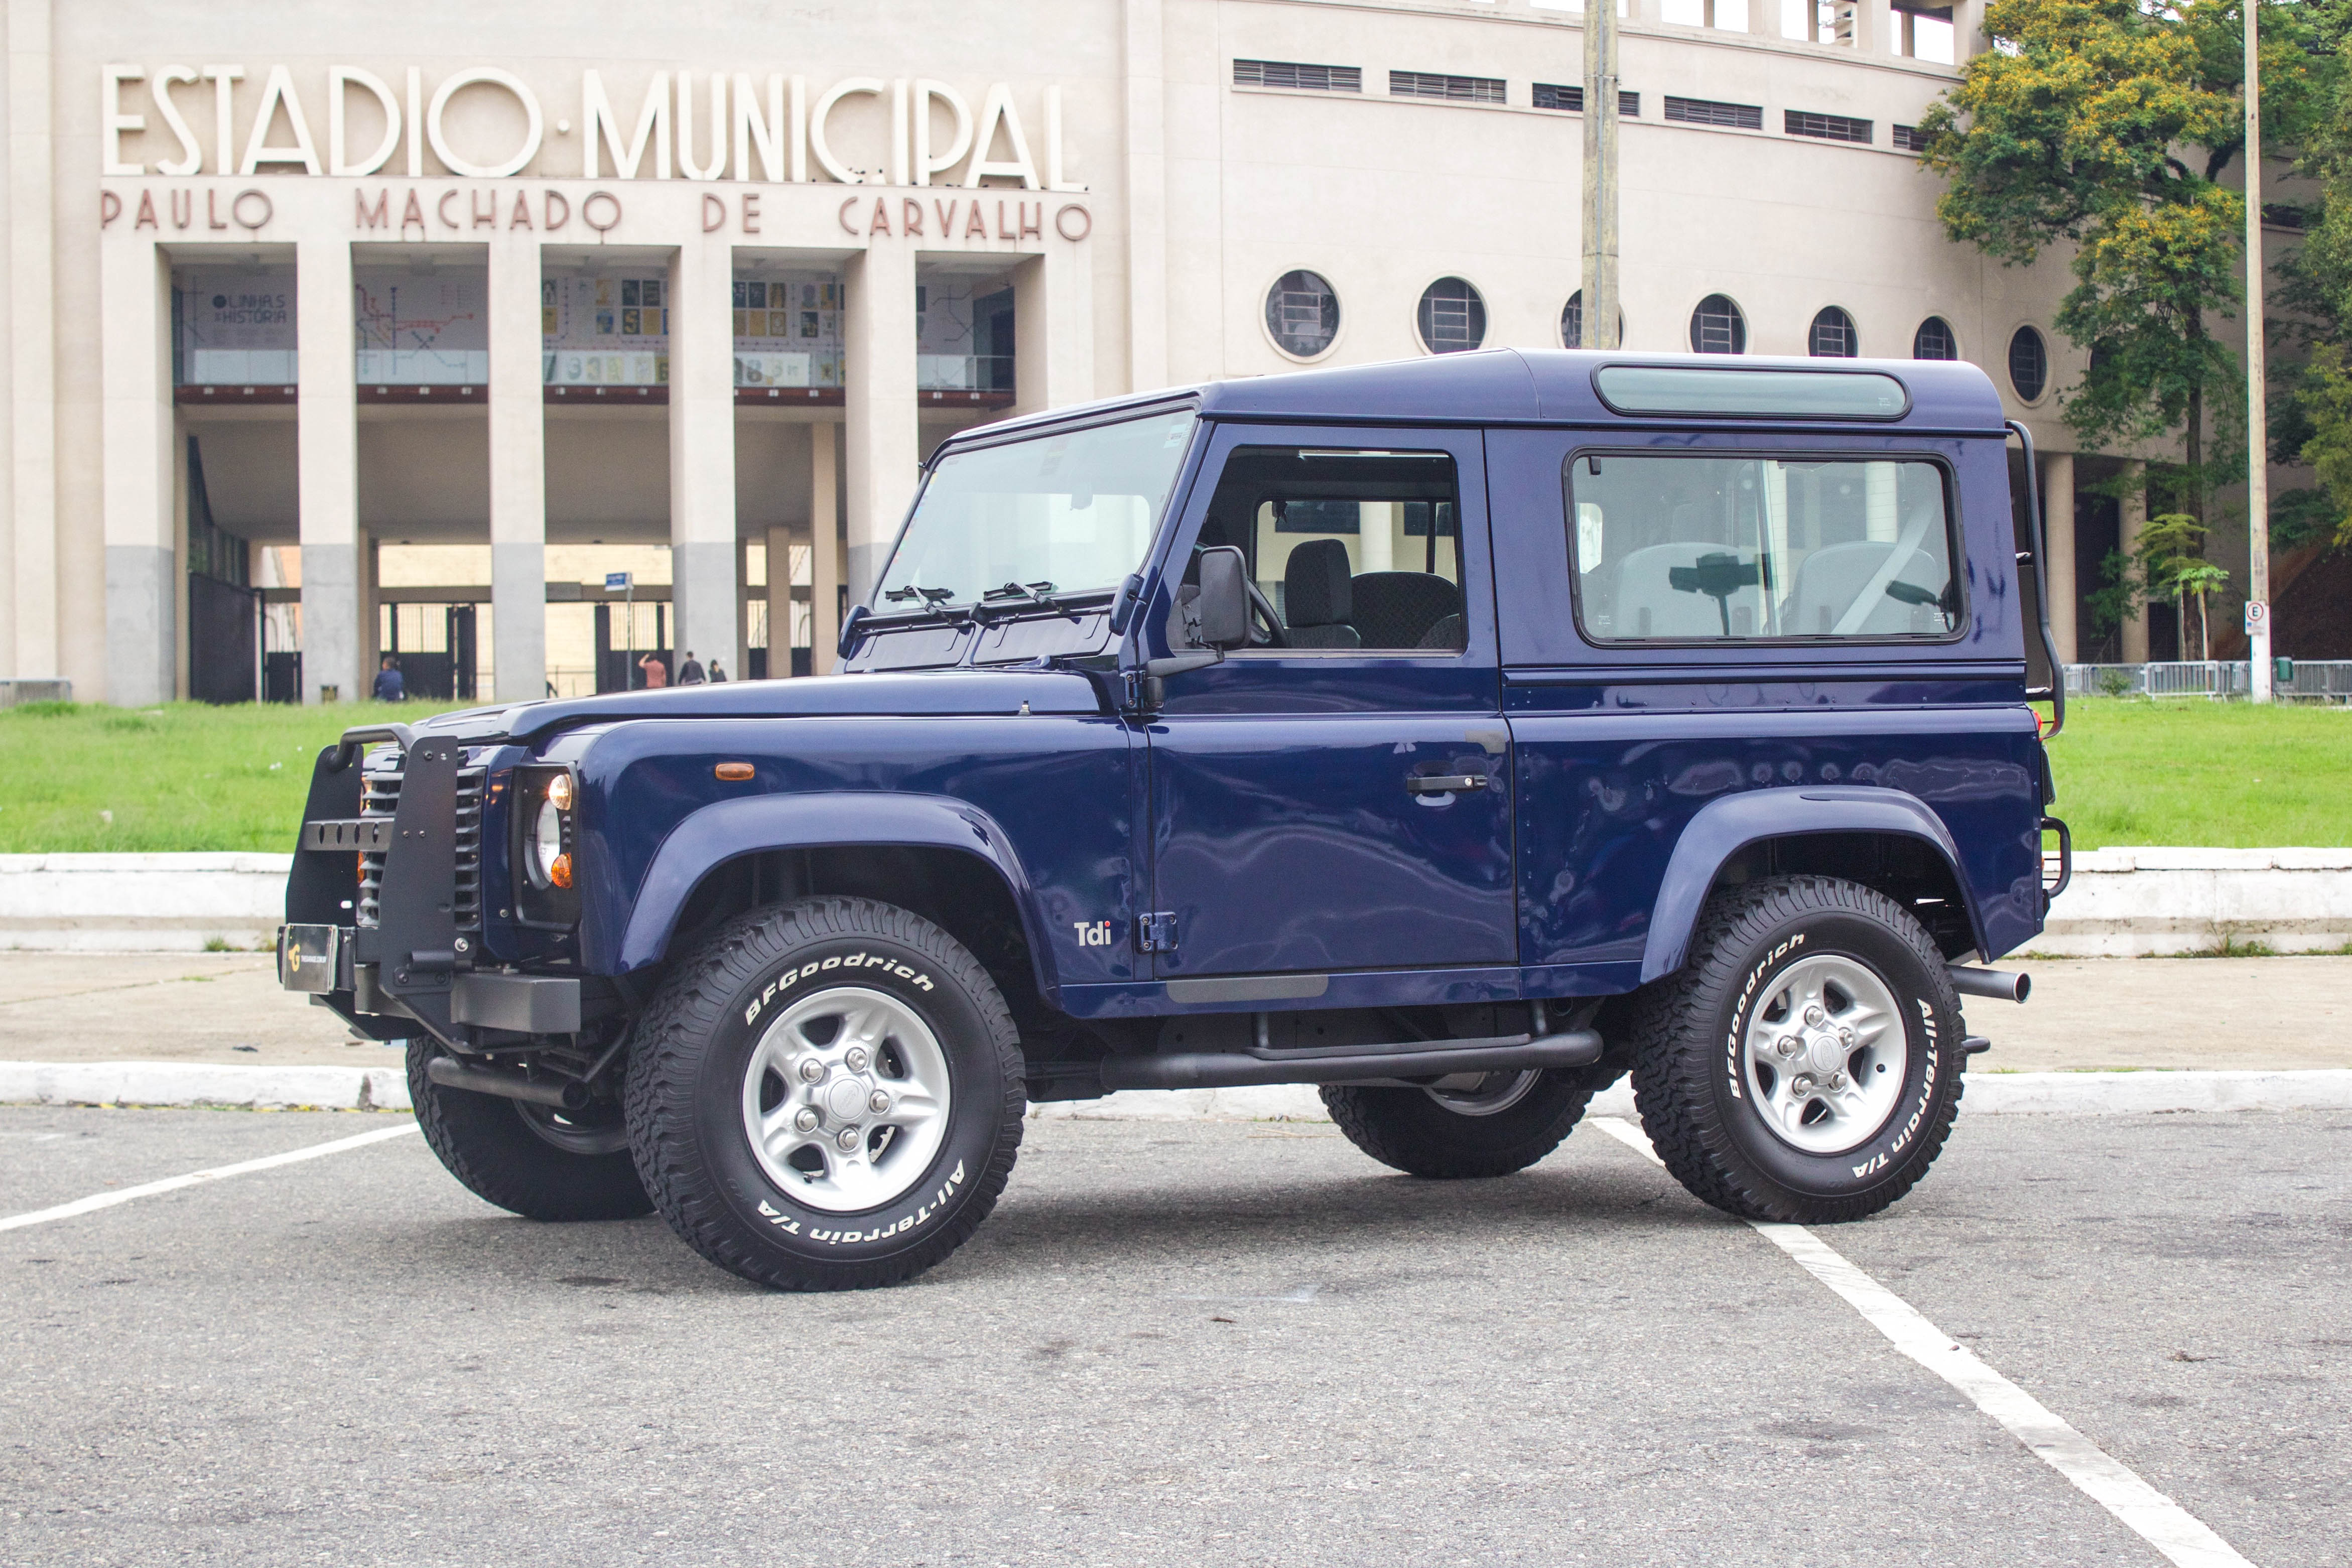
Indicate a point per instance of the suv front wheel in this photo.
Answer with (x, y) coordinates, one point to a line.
(827, 1097)
(1805, 1063)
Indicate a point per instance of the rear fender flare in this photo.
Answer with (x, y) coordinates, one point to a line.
(734, 828)
(1723, 827)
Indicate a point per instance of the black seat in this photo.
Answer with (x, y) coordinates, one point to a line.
(1315, 596)
(1397, 609)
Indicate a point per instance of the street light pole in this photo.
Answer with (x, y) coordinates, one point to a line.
(1601, 309)
(2258, 454)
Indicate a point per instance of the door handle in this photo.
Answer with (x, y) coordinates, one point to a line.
(1445, 784)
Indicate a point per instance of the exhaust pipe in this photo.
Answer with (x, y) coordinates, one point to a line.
(2000, 985)
(1352, 1064)
(451, 1073)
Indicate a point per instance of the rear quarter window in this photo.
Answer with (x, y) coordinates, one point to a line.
(1732, 547)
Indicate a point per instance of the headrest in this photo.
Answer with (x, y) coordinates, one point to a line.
(1315, 585)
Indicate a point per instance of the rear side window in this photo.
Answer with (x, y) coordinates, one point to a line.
(1710, 548)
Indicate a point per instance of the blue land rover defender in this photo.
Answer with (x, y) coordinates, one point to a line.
(1458, 736)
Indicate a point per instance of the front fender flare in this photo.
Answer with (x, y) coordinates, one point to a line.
(1723, 827)
(833, 819)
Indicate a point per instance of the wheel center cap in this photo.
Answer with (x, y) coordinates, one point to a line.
(845, 1099)
(1826, 1055)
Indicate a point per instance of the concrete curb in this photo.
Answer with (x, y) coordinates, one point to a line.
(386, 1089)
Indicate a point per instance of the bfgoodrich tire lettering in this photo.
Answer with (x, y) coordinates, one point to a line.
(1699, 1105)
(701, 1038)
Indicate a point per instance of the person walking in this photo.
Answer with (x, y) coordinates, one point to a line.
(690, 672)
(390, 686)
(657, 672)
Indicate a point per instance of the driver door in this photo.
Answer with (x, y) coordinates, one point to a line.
(1340, 799)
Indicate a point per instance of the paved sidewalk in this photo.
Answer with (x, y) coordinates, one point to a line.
(2086, 1014)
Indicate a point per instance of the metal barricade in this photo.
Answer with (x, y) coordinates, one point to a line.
(2313, 680)
(15, 691)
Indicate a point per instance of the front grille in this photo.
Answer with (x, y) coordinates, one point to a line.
(380, 796)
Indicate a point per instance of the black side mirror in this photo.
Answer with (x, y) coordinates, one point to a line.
(1222, 608)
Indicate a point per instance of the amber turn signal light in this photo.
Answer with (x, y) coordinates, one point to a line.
(733, 771)
(559, 871)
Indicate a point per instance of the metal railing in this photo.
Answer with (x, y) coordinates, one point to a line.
(2313, 680)
(13, 693)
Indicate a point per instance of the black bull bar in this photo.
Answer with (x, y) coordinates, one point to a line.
(412, 967)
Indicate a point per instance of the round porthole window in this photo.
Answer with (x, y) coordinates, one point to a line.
(2029, 364)
(1302, 314)
(1571, 323)
(1453, 317)
(1717, 327)
(1934, 339)
(1832, 336)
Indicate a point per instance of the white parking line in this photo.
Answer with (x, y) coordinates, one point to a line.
(174, 1183)
(2113, 1485)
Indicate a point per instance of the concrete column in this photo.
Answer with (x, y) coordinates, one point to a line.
(825, 546)
(1968, 31)
(1873, 31)
(885, 450)
(780, 599)
(373, 645)
(327, 462)
(702, 451)
(2134, 517)
(2058, 538)
(30, 601)
(1764, 19)
(143, 576)
(1147, 197)
(1053, 329)
(518, 474)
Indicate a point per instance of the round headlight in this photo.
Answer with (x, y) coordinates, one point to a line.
(546, 845)
(558, 790)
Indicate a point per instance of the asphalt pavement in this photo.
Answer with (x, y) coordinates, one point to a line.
(1198, 1343)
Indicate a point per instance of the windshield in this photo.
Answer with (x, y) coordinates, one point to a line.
(1066, 513)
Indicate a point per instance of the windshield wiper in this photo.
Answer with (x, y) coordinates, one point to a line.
(931, 597)
(1041, 593)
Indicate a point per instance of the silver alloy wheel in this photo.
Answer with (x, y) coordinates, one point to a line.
(845, 1099)
(1826, 1054)
(1482, 1094)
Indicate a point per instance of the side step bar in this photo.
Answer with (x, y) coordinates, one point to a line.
(1353, 1064)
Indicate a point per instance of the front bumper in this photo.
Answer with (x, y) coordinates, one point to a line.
(414, 965)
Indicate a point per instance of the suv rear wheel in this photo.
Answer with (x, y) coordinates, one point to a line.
(1805, 1064)
(828, 1096)
(1473, 1124)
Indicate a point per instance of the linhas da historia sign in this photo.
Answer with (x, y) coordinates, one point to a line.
(487, 123)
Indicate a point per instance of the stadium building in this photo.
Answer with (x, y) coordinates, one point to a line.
(337, 330)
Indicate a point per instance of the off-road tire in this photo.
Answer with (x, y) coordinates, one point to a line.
(695, 1043)
(487, 1144)
(1686, 1030)
(1404, 1128)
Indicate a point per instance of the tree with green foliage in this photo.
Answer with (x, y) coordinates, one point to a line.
(2172, 564)
(2314, 425)
(2108, 125)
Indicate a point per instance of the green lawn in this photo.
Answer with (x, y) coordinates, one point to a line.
(186, 776)
(2186, 771)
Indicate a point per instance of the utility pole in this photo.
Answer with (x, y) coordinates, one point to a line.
(2258, 452)
(1600, 308)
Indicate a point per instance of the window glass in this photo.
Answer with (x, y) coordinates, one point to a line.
(2029, 364)
(1453, 317)
(1691, 548)
(1068, 512)
(1717, 327)
(1833, 335)
(1934, 339)
(1356, 550)
(1302, 312)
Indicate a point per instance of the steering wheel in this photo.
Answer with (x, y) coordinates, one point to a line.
(1269, 635)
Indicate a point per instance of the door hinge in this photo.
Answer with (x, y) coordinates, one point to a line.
(1156, 932)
